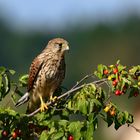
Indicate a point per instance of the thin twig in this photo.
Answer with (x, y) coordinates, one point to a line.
(108, 99)
(79, 82)
(137, 130)
(67, 93)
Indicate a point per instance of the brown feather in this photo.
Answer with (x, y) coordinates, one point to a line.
(34, 69)
(46, 73)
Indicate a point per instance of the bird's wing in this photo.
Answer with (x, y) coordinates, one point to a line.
(33, 72)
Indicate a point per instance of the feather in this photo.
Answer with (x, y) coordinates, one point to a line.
(23, 99)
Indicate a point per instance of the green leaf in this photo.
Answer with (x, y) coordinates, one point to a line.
(133, 90)
(91, 105)
(12, 71)
(121, 67)
(44, 136)
(130, 119)
(91, 117)
(89, 132)
(58, 135)
(126, 115)
(82, 105)
(11, 112)
(117, 125)
(7, 83)
(94, 105)
(52, 130)
(109, 120)
(40, 116)
(126, 81)
(120, 118)
(100, 68)
(69, 105)
(95, 124)
(24, 79)
(133, 70)
(65, 112)
(2, 70)
(63, 122)
(64, 138)
(74, 129)
(118, 62)
(97, 102)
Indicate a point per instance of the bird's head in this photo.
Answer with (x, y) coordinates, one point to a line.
(58, 45)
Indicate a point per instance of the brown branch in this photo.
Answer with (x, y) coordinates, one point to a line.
(137, 130)
(79, 82)
(73, 89)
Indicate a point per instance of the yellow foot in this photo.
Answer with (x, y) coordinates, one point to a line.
(53, 99)
(43, 105)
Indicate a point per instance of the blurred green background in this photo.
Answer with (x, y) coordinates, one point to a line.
(97, 32)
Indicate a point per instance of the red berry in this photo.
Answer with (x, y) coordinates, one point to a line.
(105, 72)
(118, 92)
(70, 137)
(18, 132)
(115, 82)
(4, 133)
(14, 135)
(115, 70)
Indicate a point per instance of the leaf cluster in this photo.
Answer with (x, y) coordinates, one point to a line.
(76, 115)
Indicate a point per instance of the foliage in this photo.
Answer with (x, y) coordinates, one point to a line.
(76, 115)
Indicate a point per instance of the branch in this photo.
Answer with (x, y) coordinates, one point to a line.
(79, 82)
(137, 130)
(73, 89)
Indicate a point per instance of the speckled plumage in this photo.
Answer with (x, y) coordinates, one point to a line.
(46, 73)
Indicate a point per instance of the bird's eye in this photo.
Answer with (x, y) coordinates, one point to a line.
(60, 44)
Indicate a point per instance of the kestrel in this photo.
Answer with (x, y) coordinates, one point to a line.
(46, 74)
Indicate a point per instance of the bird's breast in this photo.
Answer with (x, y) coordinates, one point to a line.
(49, 79)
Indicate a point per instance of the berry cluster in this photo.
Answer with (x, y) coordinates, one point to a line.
(114, 75)
(110, 109)
(15, 134)
(120, 79)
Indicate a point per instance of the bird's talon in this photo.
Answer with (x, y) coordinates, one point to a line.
(43, 105)
(53, 99)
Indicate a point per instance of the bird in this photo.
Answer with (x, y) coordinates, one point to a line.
(46, 73)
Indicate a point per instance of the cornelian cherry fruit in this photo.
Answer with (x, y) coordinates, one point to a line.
(115, 82)
(70, 137)
(105, 72)
(115, 70)
(4, 133)
(118, 92)
(14, 135)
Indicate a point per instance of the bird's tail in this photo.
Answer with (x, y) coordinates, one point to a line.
(23, 99)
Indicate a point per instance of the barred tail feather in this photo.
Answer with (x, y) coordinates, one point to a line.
(23, 99)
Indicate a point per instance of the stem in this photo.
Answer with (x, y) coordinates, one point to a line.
(79, 82)
(137, 130)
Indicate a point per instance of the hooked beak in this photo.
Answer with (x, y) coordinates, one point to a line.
(65, 47)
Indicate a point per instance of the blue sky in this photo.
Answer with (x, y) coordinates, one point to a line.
(35, 13)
